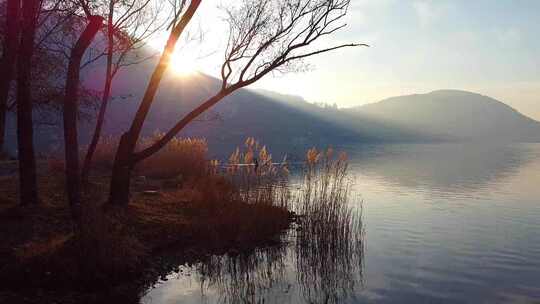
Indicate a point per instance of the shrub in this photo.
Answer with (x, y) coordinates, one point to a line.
(181, 156)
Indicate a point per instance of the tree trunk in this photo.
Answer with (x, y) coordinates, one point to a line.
(123, 163)
(121, 174)
(7, 65)
(104, 99)
(25, 132)
(71, 109)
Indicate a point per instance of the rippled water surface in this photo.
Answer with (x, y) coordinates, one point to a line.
(449, 223)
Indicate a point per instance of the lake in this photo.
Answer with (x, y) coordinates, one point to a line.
(441, 223)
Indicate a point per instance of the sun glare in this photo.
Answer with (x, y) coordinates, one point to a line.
(184, 66)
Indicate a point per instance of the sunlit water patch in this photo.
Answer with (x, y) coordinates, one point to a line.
(448, 223)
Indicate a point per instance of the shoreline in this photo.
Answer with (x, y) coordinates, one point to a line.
(175, 226)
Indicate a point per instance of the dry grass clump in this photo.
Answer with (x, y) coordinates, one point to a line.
(223, 219)
(182, 156)
(241, 203)
(186, 157)
(257, 179)
(255, 204)
(325, 191)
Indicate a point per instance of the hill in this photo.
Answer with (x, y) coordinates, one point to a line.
(455, 115)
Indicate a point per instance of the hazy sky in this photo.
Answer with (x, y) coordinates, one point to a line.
(487, 46)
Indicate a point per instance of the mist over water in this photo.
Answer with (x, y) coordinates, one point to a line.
(441, 223)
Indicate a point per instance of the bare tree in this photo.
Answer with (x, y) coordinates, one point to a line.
(7, 64)
(264, 36)
(49, 63)
(25, 131)
(123, 163)
(127, 31)
(71, 109)
(36, 87)
(11, 17)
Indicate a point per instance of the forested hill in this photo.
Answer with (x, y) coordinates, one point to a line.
(456, 114)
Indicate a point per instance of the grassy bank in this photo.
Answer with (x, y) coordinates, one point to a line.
(184, 209)
(181, 204)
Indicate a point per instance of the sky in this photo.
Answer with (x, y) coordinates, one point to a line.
(416, 46)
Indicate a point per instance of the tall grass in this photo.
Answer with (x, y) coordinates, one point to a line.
(329, 242)
(325, 250)
(256, 178)
(246, 199)
(186, 157)
(323, 200)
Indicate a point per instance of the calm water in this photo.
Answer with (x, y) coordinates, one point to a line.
(447, 223)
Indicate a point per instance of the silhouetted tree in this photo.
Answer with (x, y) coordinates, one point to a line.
(264, 36)
(48, 66)
(71, 108)
(123, 163)
(25, 131)
(127, 30)
(7, 64)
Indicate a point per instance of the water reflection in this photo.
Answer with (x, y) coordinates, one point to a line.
(328, 269)
(245, 277)
(445, 224)
(443, 168)
(299, 270)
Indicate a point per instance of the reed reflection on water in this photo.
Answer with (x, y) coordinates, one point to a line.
(313, 271)
(314, 267)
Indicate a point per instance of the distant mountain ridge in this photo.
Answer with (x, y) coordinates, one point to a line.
(288, 124)
(456, 115)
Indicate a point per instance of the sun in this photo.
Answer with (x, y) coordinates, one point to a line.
(183, 65)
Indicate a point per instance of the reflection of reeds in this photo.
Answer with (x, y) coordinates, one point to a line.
(248, 277)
